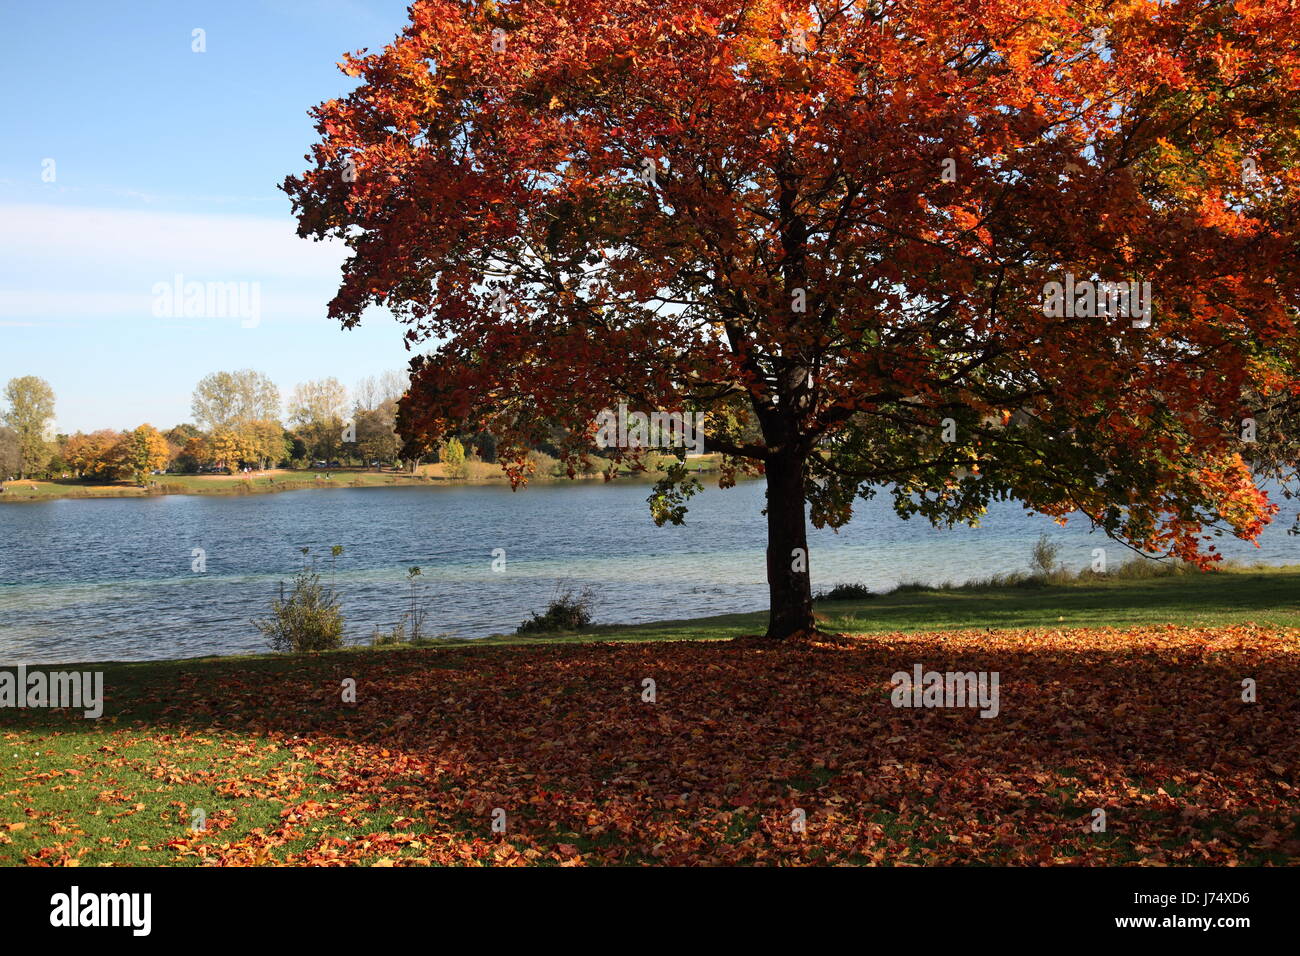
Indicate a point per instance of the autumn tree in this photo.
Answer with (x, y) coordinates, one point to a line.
(11, 455)
(192, 455)
(845, 232)
(374, 414)
(268, 441)
(247, 404)
(377, 438)
(224, 399)
(318, 409)
(30, 414)
(181, 435)
(141, 452)
(57, 464)
(374, 391)
(227, 448)
(452, 456)
(186, 444)
(92, 455)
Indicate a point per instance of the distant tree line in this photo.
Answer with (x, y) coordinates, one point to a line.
(238, 422)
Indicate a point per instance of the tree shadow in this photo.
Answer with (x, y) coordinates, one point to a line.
(730, 742)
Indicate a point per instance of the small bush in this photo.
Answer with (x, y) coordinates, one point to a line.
(845, 592)
(543, 464)
(310, 620)
(396, 636)
(452, 456)
(568, 611)
(1043, 558)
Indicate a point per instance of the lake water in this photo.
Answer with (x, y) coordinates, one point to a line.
(111, 579)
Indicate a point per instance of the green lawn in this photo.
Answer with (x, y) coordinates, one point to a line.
(277, 480)
(552, 727)
(1264, 595)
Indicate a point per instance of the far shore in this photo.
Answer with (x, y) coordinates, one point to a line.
(283, 479)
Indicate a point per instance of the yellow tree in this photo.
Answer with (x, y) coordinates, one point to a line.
(246, 403)
(452, 456)
(265, 438)
(142, 451)
(92, 455)
(226, 448)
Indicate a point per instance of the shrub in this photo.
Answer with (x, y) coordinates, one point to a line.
(396, 636)
(452, 455)
(543, 464)
(845, 592)
(309, 620)
(568, 611)
(1043, 558)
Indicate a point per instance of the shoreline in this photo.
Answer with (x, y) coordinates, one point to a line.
(274, 481)
(1258, 595)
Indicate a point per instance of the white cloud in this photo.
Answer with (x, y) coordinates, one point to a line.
(170, 242)
(54, 306)
(76, 262)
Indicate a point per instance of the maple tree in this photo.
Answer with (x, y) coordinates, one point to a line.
(831, 228)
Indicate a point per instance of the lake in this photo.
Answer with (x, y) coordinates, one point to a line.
(111, 578)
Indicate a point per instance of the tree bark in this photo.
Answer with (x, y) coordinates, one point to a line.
(788, 582)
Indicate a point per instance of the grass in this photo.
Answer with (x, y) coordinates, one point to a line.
(1135, 594)
(259, 483)
(553, 728)
(1263, 594)
(275, 480)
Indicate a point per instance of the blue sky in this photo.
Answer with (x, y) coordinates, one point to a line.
(166, 163)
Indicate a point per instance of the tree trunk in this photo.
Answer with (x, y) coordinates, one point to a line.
(788, 582)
